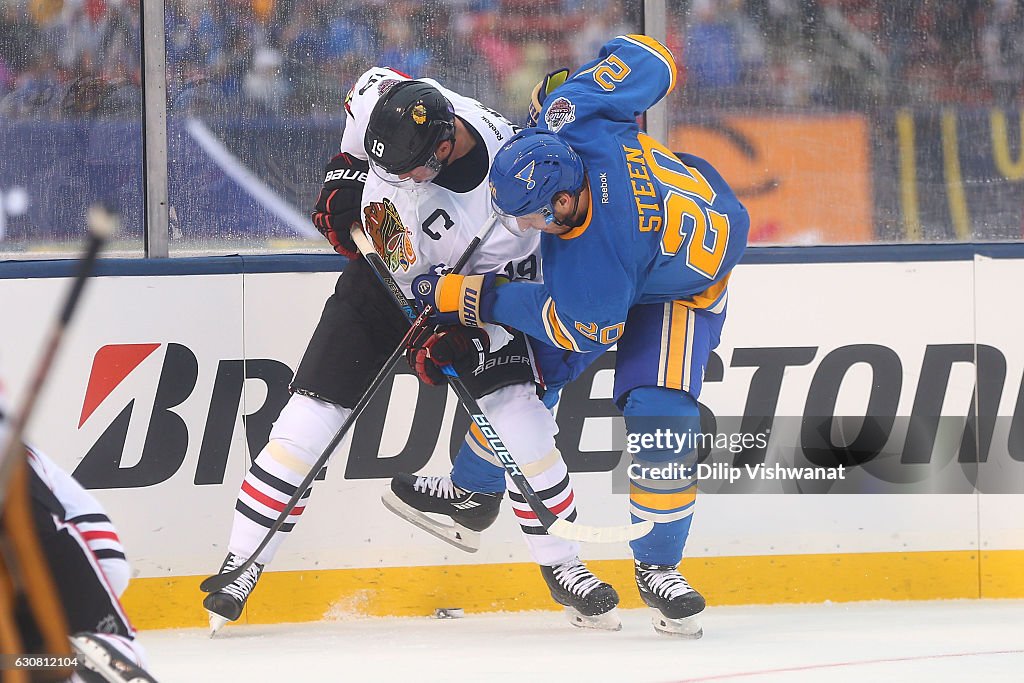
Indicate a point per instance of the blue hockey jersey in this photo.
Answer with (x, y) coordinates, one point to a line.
(660, 227)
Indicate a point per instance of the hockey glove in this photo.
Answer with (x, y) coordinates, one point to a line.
(337, 206)
(540, 94)
(456, 299)
(462, 348)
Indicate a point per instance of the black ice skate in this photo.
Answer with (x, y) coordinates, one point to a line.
(676, 603)
(226, 604)
(101, 662)
(411, 497)
(589, 602)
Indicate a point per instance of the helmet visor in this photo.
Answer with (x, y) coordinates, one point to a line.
(521, 225)
(544, 210)
(421, 173)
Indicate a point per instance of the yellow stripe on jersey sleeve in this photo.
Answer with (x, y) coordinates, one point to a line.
(660, 51)
(556, 331)
(711, 297)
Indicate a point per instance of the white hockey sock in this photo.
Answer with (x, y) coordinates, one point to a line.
(299, 437)
(528, 430)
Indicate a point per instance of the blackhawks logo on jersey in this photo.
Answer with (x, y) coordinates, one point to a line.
(390, 237)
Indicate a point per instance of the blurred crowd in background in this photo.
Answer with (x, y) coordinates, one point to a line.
(72, 58)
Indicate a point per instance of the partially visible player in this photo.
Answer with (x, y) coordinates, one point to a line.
(637, 249)
(89, 568)
(412, 170)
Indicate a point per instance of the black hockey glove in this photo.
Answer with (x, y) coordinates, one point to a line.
(337, 206)
(463, 348)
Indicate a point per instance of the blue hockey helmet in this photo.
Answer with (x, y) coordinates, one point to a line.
(530, 169)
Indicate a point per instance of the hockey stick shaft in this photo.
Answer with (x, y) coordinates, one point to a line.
(101, 226)
(216, 582)
(551, 522)
(26, 559)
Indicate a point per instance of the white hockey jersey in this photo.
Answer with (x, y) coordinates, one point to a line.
(415, 226)
(83, 516)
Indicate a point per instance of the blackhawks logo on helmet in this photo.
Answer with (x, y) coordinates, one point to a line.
(390, 237)
(419, 114)
(561, 112)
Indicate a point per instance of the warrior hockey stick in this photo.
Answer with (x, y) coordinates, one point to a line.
(553, 524)
(214, 583)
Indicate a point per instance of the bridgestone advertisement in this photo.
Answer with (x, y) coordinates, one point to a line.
(894, 388)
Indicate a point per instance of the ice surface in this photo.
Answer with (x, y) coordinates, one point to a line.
(960, 640)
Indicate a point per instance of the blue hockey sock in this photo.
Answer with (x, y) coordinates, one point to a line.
(473, 473)
(658, 421)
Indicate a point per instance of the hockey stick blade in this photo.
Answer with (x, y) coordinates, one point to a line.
(212, 584)
(599, 534)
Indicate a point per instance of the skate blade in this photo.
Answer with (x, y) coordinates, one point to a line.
(455, 534)
(609, 621)
(687, 627)
(216, 623)
(101, 660)
(95, 656)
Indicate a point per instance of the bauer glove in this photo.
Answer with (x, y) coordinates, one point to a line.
(461, 348)
(337, 206)
(457, 299)
(540, 94)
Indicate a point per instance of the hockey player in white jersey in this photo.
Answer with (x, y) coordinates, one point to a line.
(412, 170)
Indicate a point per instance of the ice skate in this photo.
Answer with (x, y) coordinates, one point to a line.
(226, 604)
(676, 604)
(412, 497)
(589, 602)
(101, 662)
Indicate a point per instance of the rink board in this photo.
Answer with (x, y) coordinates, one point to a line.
(198, 345)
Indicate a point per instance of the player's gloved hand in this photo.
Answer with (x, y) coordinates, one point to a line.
(456, 299)
(540, 94)
(337, 206)
(462, 348)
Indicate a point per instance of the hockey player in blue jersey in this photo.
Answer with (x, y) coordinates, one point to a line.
(638, 248)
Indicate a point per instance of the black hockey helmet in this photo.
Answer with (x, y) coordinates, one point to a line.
(406, 125)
